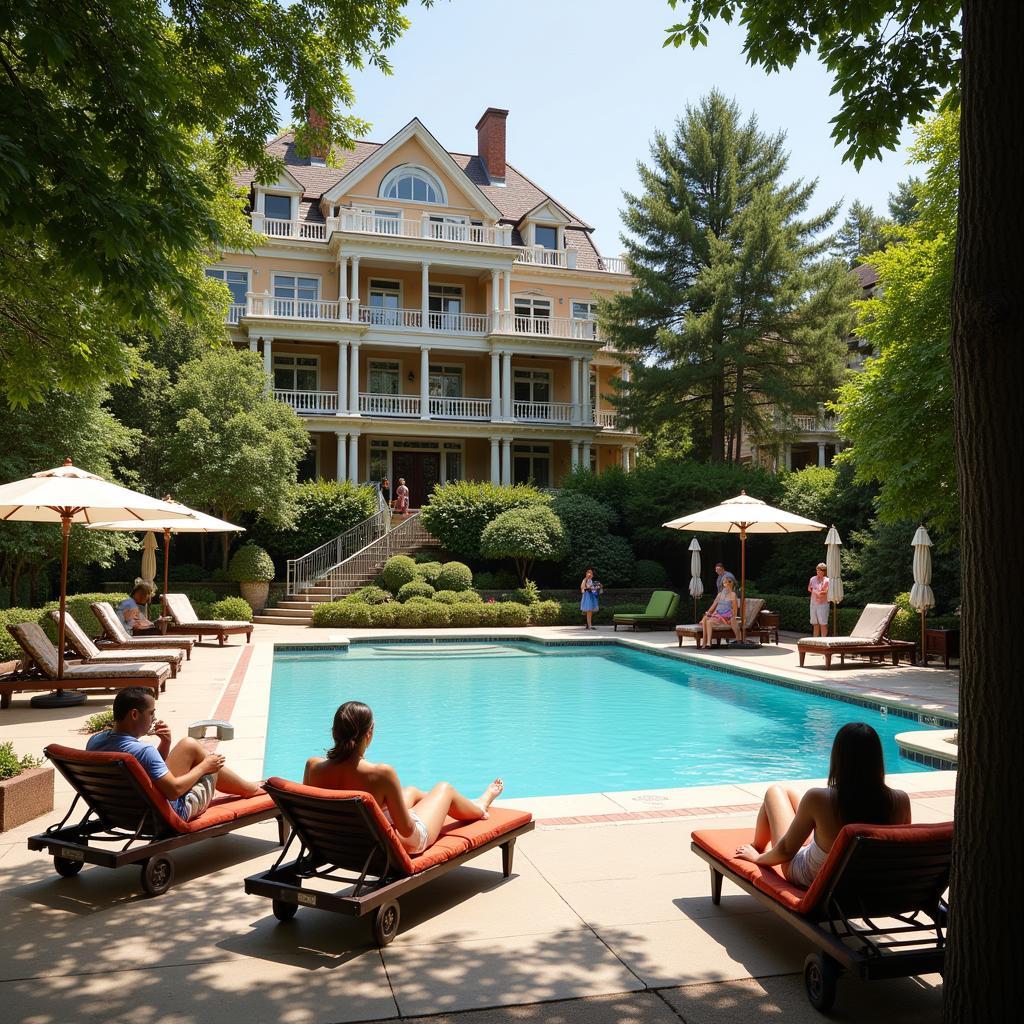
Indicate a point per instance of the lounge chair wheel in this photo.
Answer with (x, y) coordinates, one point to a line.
(285, 911)
(385, 923)
(67, 868)
(821, 973)
(157, 875)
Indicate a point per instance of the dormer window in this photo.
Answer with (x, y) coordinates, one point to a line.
(413, 184)
(545, 237)
(277, 207)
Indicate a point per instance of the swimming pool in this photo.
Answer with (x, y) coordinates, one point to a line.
(558, 719)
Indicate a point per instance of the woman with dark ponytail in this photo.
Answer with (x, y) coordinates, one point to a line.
(856, 794)
(417, 815)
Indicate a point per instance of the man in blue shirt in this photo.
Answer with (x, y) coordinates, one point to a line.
(722, 573)
(186, 774)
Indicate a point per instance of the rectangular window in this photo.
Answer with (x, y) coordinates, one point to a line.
(383, 378)
(277, 207)
(379, 459)
(445, 303)
(546, 238)
(445, 381)
(296, 373)
(236, 280)
(531, 463)
(453, 465)
(584, 310)
(531, 386)
(532, 316)
(296, 296)
(385, 301)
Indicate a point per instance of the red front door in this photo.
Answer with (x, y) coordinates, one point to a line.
(421, 471)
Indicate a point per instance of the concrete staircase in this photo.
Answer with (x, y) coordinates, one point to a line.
(297, 609)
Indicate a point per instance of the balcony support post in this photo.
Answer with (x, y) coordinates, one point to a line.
(341, 471)
(343, 287)
(353, 381)
(425, 295)
(588, 412)
(574, 454)
(586, 454)
(495, 471)
(342, 378)
(495, 385)
(253, 345)
(268, 363)
(508, 291)
(787, 455)
(506, 385)
(424, 380)
(494, 295)
(354, 308)
(821, 453)
(574, 381)
(506, 461)
(353, 458)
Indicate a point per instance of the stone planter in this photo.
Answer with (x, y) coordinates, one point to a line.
(256, 594)
(25, 797)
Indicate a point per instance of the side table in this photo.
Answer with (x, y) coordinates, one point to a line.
(767, 625)
(944, 643)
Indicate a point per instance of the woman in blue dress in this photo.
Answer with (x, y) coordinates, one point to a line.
(590, 589)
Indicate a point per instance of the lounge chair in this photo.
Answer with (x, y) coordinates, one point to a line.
(660, 611)
(128, 821)
(42, 655)
(78, 640)
(867, 637)
(875, 907)
(184, 620)
(720, 632)
(116, 637)
(344, 831)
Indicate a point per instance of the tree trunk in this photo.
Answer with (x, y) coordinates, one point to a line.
(225, 547)
(717, 436)
(983, 980)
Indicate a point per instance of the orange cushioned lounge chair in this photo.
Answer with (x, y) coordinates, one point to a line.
(117, 638)
(345, 831)
(128, 821)
(184, 620)
(875, 908)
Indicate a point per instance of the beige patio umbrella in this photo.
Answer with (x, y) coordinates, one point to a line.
(149, 558)
(196, 522)
(834, 568)
(696, 584)
(921, 596)
(744, 514)
(69, 495)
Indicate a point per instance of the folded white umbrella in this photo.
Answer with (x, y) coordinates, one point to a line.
(921, 595)
(696, 584)
(834, 568)
(744, 514)
(69, 495)
(149, 557)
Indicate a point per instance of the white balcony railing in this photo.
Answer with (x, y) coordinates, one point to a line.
(613, 265)
(820, 424)
(460, 408)
(398, 318)
(295, 309)
(371, 404)
(235, 312)
(541, 257)
(321, 402)
(543, 412)
(552, 326)
(273, 228)
(605, 420)
(447, 323)
(424, 227)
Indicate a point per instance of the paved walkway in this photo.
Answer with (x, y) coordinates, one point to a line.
(603, 921)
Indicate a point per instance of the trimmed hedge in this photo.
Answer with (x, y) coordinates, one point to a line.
(9, 649)
(233, 608)
(429, 572)
(78, 608)
(370, 595)
(545, 613)
(455, 576)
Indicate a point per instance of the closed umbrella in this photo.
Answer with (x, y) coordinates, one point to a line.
(696, 584)
(744, 514)
(833, 565)
(149, 558)
(921, 596)
(69, 495)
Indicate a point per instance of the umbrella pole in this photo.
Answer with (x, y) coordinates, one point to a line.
(924, 660)
(835, 616)
(167, 555)
(743, 585)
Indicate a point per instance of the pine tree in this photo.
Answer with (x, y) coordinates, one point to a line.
(862, 233)
(903, 202)
(737, 310)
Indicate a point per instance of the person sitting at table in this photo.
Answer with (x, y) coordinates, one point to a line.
(132, 610)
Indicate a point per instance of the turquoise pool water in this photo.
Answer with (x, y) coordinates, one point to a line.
(558, 720)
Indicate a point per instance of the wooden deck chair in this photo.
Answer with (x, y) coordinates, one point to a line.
(184, 620)
(78, 640)
(41, 654)
(116, 637)
(867, 637)
(875, 908)
(720, 632)
(345, 831)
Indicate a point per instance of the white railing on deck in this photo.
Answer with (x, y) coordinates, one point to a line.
(613, 265)
(546, 412)
(379, 317)
(605, 419)
(424, 227)
(461, 408)
(458, 323)
(309, 401)
(389, 405)
(296, 309)
(236, 311)
(814, 424)
(552, 326)
(293, 229)
(448, 323)
(541, 257)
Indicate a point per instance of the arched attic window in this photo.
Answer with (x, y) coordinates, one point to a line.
(413, 184)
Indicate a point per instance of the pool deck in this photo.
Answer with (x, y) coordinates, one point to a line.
(607, 917)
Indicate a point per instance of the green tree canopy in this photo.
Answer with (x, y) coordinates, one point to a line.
(233, 449)
(737, 312)
(862, 233)
(123, 122)
(525, 535)
(903, 202)
(898, 413)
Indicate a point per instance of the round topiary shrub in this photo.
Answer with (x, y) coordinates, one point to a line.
(468, 597)
(251, 564)
(370, 595)
(446, 597)
(234, 609)
(398, 570)
(429, 572)
(383, 615)
(465, 614)
(415, 588)
(455, 576)
(648, 573)
(545, 613)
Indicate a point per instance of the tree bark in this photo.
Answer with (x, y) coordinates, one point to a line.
(984, 980)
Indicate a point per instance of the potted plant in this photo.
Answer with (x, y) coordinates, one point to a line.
(26, 788)
(252, 569)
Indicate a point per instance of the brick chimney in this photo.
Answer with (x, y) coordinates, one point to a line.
(490, 143)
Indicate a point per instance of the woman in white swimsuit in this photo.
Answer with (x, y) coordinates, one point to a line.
(856, 794)
(418, 816)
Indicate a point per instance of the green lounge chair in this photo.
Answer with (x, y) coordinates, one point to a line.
(661, 611)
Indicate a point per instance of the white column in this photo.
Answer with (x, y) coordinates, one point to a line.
(355, 289)
(343, 284)
(443, 470)
(495, 471)
(574, 454)
(253, 347)
(506, 385)
(787, 456)
(495, 293)
(495, 385)
(425, 298)
(506, 461)
(353, 458)
(424, 382)
(821, 453)
(342, 378)
(353, 381)
(268, 363)
(342, 470)
(574, 381)
(626, 374)
(586, 454)
(508, 290)
(588, 412)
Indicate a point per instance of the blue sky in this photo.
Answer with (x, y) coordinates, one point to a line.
(586, 83)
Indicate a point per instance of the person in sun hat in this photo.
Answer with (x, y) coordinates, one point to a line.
(132, 610)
